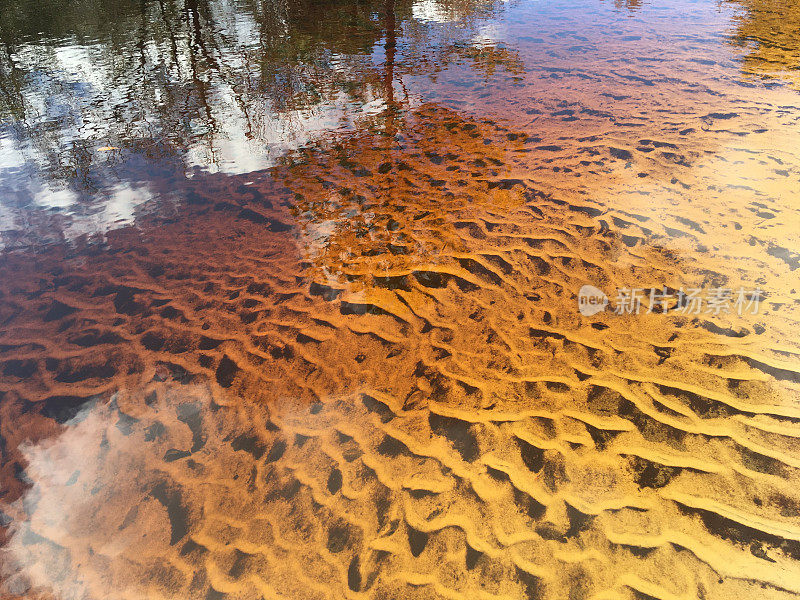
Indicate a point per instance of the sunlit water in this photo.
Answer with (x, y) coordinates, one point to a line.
(289, 300)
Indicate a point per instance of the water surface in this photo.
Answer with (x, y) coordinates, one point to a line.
(289, 299)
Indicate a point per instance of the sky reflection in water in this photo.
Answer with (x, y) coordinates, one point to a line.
(94, 109)
(288, 299)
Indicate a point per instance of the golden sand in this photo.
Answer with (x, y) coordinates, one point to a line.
(398, 397)
(363, 373)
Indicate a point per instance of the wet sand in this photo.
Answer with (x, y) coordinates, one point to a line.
(363, 372)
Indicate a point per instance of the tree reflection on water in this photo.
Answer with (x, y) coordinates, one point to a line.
(229, 86)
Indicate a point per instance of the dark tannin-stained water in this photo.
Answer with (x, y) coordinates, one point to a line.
(464, 300)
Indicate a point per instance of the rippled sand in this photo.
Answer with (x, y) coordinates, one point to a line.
(363, 373)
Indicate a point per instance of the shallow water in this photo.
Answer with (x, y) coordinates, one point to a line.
(289, 300)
